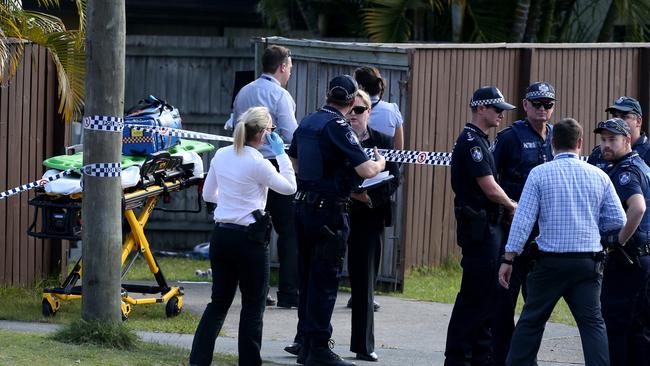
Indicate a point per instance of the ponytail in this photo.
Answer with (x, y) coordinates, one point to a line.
(239, 136)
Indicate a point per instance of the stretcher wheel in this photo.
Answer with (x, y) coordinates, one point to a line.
(47, 309)
(173, 307)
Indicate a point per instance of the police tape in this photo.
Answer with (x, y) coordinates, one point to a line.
(102, 170)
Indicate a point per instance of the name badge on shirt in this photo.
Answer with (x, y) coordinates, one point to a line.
(529, 145)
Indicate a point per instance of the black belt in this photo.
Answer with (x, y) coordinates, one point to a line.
(318, 201)
(227, 225)
(592, 255)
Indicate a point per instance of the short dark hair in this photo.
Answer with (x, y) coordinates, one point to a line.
(273, 57)
(370, 80)
(566, 134)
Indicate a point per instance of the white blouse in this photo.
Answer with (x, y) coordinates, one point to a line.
(239, 183)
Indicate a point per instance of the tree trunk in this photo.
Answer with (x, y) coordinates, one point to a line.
(534, 20)
(547, 22)
(607, 31)
(101, 208)
(520, 20)
(457, 15)
(309, 16)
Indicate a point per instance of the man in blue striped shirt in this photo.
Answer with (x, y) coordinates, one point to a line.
(572, 202)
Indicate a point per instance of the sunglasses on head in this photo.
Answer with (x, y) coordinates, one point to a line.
(609, 124)
(537, 105)
(358, 109)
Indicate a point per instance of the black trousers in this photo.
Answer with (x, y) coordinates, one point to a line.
(281, 209)
(625, 296)
(234, 260)
(364, 252)
(578, 281)
(319, 275)
(469, 340)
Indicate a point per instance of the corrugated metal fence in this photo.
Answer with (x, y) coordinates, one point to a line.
(30, 131)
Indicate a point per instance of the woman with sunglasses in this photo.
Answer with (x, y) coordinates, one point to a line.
(370, 212)
(238, 182)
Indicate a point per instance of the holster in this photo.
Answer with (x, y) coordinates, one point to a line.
(471, 222)
(260, 231)
(332, 251)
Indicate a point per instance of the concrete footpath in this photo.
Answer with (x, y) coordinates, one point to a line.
(407, 332)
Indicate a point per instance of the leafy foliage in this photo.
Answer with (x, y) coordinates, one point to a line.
(64, 46)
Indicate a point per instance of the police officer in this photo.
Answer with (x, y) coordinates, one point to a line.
(626, 279)
(517, 150)
(329, 162)
(477, 203)
(629, 110)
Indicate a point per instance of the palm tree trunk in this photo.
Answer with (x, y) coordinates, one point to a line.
(520, 21)
(534, 21)
(457, 15)
(607, 31)
(547, 23)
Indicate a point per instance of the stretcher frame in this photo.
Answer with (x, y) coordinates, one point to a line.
(135, 241)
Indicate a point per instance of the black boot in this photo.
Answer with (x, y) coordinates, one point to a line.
(304, 352)
(322, 355)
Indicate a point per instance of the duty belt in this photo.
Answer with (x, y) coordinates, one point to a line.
(318, 201)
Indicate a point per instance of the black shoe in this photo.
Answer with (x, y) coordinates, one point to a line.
(324, 356)
(350, 303)
(304, 354)
(293, 348)
(287, 304)
(270, 301)
(376, 306)
(372, 356)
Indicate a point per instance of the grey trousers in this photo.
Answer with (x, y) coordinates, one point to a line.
(578, 281)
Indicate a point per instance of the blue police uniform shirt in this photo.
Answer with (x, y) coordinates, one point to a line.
(631, 175)
(641, 146)
(517, 150)
(471, 158)
(266, 91)
(327, 150)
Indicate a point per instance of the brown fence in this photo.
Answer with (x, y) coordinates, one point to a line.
(587, 79)
(30, 131)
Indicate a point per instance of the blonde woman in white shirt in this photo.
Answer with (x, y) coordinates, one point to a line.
(238, 182)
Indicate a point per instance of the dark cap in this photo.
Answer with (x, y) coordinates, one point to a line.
(540, 90)
(614, 125)
(625, 104)
(342, 88)
(489, 95)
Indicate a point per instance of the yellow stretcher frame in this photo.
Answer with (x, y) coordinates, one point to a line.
(135, 241)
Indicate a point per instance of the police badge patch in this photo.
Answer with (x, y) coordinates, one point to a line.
(477, 154)
(624, 178)
(352, 137)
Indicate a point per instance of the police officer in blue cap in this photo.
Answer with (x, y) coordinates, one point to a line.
(517, 150)
(330, 163)
(629, 110)
(626, 279)
(478, 204)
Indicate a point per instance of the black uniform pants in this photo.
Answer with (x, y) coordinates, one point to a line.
(234, 260)
(626, 310)
(578, 281)
(469, 341)
(364, 251)
(281, 209)
(319, 270)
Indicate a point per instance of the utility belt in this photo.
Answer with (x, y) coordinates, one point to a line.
(639, 244)
(466, 212)
(473, 226)
(597, 256)
(317, 200)
(258, 232)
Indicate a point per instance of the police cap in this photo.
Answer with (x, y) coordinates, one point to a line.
(614, 125)
(490, 95)
(342, 88)
(540, 90)
(625, 104)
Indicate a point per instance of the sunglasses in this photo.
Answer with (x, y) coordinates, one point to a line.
(609, 124)
(497, 109)
(270, 129)
(624, 115)
(358, 109)
(537, 105)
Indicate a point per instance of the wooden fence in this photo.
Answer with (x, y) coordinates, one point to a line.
(30, 131)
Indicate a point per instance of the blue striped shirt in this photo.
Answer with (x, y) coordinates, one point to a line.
(572, 201)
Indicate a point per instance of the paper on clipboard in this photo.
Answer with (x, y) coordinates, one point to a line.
(377, 180)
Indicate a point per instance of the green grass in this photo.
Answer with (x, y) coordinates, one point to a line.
(22, 349)
(441, 284)
(25, 305)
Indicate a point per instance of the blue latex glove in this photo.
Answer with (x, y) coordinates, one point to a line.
(276, 143)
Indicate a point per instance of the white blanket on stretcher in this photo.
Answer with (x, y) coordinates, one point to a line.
(130, 176)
